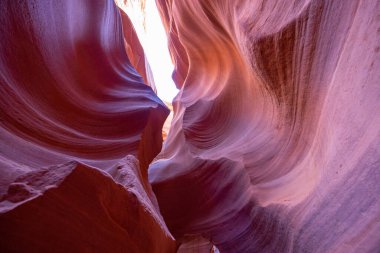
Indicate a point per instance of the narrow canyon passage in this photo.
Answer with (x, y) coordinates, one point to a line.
(274, 141)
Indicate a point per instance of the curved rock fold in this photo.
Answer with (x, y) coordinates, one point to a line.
(274, 142)
(69, 92)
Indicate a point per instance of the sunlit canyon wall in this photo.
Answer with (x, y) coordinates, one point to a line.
(275, 141)
(274, 145)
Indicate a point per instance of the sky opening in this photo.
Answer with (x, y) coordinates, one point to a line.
(152, 36)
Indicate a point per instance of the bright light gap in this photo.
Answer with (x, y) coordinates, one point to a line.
(152, 36)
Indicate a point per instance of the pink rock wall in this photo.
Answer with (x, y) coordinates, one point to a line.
(275, 141)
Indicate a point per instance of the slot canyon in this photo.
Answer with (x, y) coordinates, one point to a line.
(273, 145)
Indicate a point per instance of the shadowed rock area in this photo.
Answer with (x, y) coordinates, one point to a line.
(274, 145)
(76, 208)
(70, 93)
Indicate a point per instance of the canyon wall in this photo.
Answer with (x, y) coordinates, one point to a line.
(78, 129)
(274, 144)
(275, 141)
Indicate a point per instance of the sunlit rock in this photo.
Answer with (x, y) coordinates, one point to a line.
(275, 141)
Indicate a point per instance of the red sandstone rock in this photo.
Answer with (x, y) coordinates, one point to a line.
(275, 140)
(135, 51)
(69, 93)
(76, 208)
(197, 244)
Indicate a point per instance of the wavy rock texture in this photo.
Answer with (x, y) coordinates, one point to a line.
(69, 93)
(274, 144)
(275, 141)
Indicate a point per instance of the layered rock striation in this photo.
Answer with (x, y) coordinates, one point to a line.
(275, 141)
(78, 129)
(274, 144)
